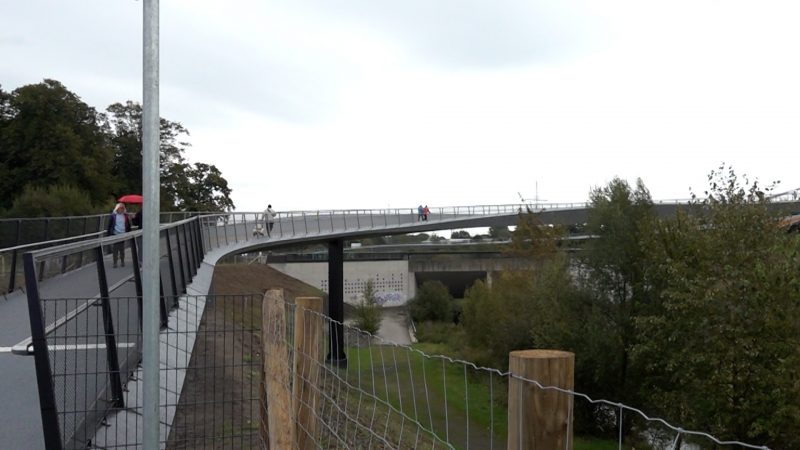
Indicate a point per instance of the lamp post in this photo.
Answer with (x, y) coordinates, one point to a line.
(150, 253)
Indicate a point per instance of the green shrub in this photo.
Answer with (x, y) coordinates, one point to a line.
(448, 334)
(432, 302)
(52, 201)
(367, 311)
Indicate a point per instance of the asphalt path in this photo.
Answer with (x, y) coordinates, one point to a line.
(20, 417)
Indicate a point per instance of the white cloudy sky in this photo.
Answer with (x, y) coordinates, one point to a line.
(311, 104)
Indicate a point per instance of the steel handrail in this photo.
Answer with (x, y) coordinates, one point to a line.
(75, 247)
(53, 242)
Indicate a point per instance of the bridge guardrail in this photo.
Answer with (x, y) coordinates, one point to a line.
(183, 244)
(114, 305)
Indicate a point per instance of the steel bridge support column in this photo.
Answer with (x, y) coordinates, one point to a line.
(337, 355)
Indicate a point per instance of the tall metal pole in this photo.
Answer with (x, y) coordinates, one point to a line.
(150, 183)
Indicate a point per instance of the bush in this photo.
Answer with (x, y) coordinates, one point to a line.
(52, 201)
(367, 311)
(432, 302)
(441, 333)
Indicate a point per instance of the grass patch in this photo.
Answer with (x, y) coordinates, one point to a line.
(452, 401)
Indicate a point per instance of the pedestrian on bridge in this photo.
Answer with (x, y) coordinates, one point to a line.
(420, 212)
(425, 212)
(270, 214)
(118, 223)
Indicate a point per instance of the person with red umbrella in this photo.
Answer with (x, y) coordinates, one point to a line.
(136, 199)
(131, 198)
(119, 223)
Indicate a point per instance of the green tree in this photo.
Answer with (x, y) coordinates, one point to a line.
(186, 187)
(526, 309)
(614, 266)
(533, 239)
(432, 302)
(125, 122)
(460, 234)
(499, 232)
(49, 136)
(367, 311)
(6, 111)
(202, 188)
(722, 351)
(51, 201)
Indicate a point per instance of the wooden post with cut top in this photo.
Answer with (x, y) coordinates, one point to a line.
(540, 419)
(308, 327)
(277, 427)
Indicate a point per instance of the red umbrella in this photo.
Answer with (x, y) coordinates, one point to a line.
(131, 198)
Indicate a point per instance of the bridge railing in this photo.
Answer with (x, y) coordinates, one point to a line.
(222, 229)
(18, 236)
(11, 273)
(102, 303)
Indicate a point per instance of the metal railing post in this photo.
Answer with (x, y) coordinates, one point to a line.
(225, 230)
(19, 232)
(193, 239)
(216, 230)
(189, 253)
(235, 234)
(115, 377)
(180, 260)
(200, 244)
(13, 275)
(162, 305)
(207, 231)
(171, 263)
(44, 380)
(137, 279)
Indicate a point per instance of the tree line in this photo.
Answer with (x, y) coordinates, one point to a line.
(694, 318)
(60, 156)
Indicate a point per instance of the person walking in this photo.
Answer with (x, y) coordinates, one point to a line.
(137, 218)
(118, 223)
(420, 212)
(270, 214)
(425, 212)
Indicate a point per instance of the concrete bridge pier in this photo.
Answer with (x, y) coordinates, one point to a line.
(336, 356)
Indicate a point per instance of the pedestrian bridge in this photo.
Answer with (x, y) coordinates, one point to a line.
(78, 311)
(61, 285)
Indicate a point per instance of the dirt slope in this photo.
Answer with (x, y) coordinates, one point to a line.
(232, 279)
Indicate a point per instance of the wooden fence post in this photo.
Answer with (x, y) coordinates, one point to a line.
(307, 362)
(540, 419)
(278, 424)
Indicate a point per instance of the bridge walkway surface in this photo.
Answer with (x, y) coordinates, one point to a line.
(20, 418)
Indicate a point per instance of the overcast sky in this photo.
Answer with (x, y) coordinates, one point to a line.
(369, 103)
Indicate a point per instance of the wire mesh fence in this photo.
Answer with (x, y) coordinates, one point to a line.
(222, 358)
(392, 396)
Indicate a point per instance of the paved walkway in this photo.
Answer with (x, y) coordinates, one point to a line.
(20, 417)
